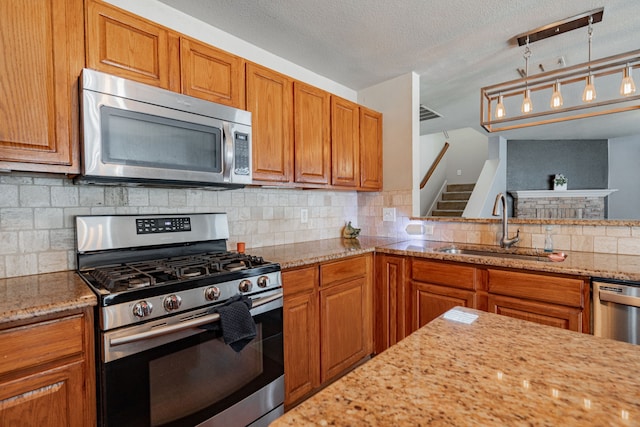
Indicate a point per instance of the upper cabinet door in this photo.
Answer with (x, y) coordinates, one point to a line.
(345, 144)
(132, 47)
(370, 149)
(270, 100)
(211, 73)
(43, 46)
(312, 141)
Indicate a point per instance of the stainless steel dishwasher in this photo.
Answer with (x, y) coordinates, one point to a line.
(616, 310)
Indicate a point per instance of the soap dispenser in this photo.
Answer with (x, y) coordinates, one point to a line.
(548, 239)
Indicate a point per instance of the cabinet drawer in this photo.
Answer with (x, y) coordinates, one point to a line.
(459, 276)
(541, 287)
(340, 271)
(40, 343)
(296, 281)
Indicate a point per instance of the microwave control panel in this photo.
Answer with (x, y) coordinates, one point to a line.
(241, 153)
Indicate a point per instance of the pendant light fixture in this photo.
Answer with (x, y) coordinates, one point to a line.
(556, 97)
(500, 111)
(589, 93)
(628, 87)
(527, 105)
(573, 79)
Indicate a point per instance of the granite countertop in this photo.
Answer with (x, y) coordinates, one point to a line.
(26, 297)
(494, 371)
(305, 253)
(588, 264)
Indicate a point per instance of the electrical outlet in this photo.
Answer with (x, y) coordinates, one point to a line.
(304, 216)
(459, 172)
(389, 214)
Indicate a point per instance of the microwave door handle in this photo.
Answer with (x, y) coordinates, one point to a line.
(227, 149)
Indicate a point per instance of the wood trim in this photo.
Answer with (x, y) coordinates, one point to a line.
(434, 165)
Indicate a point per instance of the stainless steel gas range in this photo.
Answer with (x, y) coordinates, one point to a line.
(162, 359)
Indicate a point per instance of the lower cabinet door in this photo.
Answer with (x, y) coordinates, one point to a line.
(546, 314)
(430, 301)
(50, 398)
(301, 345)
(344, 329)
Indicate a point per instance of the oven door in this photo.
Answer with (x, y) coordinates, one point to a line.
(190, 377)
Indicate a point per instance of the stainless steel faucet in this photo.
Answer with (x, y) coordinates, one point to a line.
(505, 242)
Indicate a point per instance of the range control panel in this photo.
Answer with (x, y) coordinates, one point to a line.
(162, 225)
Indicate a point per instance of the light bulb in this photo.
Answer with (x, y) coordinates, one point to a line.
(589, 93)
(556, 97)
(627, 87)
(500, 111)
(527, 106)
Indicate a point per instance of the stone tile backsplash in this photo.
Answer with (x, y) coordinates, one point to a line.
(37, 233)
(37, 211)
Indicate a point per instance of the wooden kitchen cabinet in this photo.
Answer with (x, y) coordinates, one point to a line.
(312, 134)
(47, 373)
(392, 315)
(370, 149)
(345, 143)
(561, 301)
(345, 314)
(437, 287)
(211, 74)
(129, 46)
(43, 47)
(301, 332)
(328, 324)
(270, 101)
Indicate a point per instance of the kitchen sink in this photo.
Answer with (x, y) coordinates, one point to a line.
(495, 254)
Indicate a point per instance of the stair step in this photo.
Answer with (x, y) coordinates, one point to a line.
(452, 188)
(439, 212)
(459, 195)
(452, 205)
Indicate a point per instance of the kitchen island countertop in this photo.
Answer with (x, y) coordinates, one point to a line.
(493, 371)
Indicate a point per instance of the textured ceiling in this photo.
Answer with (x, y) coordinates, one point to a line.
(456, 46)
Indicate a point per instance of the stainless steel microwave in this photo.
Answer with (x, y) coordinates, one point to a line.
(139, 134)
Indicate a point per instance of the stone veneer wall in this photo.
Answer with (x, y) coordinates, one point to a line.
(559, 207)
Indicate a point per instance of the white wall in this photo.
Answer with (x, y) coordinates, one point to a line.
(467, 153)
(398, 100)
(165, 15)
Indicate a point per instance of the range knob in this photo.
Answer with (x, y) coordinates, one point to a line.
(172, 302)
(263, 281)
(212, 293)
(245, 286)
(142, 309)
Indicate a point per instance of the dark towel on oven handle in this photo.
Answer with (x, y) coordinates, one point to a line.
(236, 322)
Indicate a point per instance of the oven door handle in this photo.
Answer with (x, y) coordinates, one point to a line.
(193, 323)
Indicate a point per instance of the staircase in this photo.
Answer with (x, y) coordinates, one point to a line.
(453, 200)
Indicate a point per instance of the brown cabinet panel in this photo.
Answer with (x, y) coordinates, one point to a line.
(301, 332)
(343, 329)
(392, 316)
(312, 134)
(370, 149)
(270, 100)
(339, 271)
(459, 276)
(543, 313)
(39, 103)
(47, 375)
(536, 286)
(50, 398)
(129, 46)
(345, 144)
(430, 301)
(212, 74)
